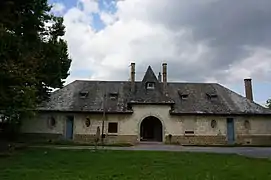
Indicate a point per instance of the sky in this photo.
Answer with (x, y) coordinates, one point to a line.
(201, 40)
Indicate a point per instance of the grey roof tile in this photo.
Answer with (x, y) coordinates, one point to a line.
(210, 98)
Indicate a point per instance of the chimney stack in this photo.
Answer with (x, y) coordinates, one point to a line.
(159, 77)
(165, 76)
(132, 77)
(248, 89)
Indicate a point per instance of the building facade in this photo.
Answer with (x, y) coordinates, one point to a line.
(152, 110)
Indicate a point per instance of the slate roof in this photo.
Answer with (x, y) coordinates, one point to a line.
(184, 98)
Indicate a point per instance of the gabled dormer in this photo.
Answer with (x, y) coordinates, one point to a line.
(83, 94)
(150, 82)
(211, 96)
(183, 94)
(149, 90)
(113, 95)
(150, 85)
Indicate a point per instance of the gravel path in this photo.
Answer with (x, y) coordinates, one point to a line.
(259, 152)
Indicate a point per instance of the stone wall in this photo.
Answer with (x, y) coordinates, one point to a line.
(197, 140)
(253, 130)
(109, 139)
(248, 130)
(41, 124)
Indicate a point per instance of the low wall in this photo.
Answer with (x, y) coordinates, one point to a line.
(220, 140)
(254, 139)
(109, 139)
(197, 140)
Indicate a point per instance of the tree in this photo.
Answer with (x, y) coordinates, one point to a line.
(33, 56)
(268, 102)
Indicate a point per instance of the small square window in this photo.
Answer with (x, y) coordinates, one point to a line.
(189, 132)
(112, 127)
(211, 96)
(150, 85)
(184, 96)
(83, 94)
(113, 95)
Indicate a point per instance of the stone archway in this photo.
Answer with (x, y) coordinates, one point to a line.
(151, 129)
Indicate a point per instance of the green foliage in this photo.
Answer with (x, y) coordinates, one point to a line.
(33, 57)
(268, 102)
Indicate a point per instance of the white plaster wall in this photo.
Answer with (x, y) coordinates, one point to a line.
(143, 111)
(80, 126)
(203, 126)
(96, 120)
(129, 124)
(40, 124)
(258, 126)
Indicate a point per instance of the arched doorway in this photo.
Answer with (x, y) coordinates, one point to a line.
(151, 129)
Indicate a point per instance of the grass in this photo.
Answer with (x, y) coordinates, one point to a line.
(53, 164)
(72, 143)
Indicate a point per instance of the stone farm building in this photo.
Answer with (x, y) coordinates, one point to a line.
(152, 110)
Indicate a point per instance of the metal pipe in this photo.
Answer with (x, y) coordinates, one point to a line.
(104, 115)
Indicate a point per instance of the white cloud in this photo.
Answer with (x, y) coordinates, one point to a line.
(257, 65)
(58, 8)
(108, 18)
(140, 31)
(88, 6)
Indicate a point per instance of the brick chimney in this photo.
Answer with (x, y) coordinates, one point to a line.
(132, 77)
(159, 77)
(164, 76)
(248, 89)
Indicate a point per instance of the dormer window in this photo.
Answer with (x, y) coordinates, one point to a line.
(150, 85)
(113, 95)
(83, 94)
(211, 96)
(183, 95)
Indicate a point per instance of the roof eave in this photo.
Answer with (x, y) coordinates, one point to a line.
(152, 103)
(219, 114)
(84, 112)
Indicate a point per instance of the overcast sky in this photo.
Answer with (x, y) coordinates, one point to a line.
(220, 41)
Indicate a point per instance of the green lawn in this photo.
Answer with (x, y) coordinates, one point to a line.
(36, 164)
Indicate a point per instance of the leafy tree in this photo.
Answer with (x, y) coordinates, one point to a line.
(33, 57)
(268, 102)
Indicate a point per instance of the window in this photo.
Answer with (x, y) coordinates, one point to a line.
(247, 124)
(211, 96)
(83, 94)
(189, 126)
(113, 95)
(189, 132)
(87, 122)
(129, 107)
(213, 123)
(150, 85)
(112, 127)
(52, 122)
(184, 96)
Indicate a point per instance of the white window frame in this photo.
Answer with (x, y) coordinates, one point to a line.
(150, 87)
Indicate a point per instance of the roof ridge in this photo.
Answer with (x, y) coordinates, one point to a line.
(138, 81)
